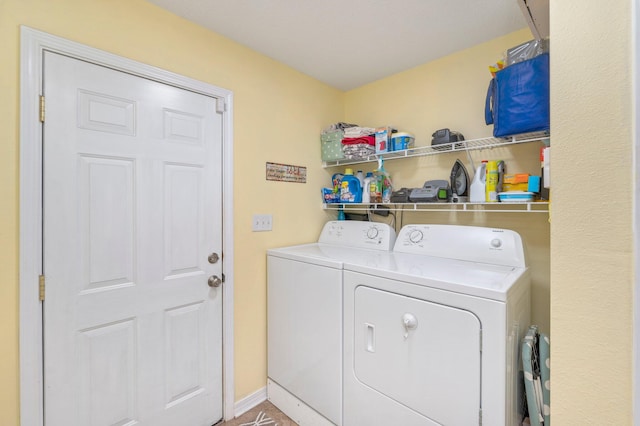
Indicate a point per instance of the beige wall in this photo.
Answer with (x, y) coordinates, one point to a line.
(278, 115)
(592, 228)
(450, 92)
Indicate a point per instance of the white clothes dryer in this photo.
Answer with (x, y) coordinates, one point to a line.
(304, 317)
(432, 337)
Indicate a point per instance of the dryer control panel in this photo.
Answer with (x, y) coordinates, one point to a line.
(471, 243)
(357, 234)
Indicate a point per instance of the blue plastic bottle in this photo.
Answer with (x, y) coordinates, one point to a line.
(350, 189)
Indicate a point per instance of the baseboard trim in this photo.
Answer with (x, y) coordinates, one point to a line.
(294, 408)
(250, 401)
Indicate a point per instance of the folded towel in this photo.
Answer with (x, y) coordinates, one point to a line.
(352, 132)
(368, 140)
(358, 151)
(338, 126)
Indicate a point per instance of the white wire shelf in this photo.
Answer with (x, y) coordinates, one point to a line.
(500, 207)
(421, 151)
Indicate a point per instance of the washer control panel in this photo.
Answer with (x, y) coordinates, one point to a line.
(358, 234)
(470, 243)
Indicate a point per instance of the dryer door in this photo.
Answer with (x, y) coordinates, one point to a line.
(423, 355)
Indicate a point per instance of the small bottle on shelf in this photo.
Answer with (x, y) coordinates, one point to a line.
(375, 188)
(492, 182)
(366, 188)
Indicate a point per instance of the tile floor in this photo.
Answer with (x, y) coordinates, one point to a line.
(264, 414)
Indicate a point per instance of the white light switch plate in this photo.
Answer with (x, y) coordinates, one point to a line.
(262, 222)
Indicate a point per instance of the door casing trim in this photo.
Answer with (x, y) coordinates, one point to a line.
(33, 45)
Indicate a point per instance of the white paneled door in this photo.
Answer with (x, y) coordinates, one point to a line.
(132, 213)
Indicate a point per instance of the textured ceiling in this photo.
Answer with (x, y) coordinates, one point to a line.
(349, 43)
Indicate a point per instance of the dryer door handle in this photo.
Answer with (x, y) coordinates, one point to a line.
(370, 337)
(410, 322)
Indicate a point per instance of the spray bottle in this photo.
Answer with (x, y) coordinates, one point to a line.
(501, 171)
(386, 184)
(375, 188)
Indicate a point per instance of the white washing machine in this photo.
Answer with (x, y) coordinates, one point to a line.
(432, 337)
(304, 302)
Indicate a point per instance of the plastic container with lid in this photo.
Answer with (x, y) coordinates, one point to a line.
(401, 140)
(516, 197)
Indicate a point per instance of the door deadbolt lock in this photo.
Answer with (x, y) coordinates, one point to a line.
(214, 281)
(213, 258)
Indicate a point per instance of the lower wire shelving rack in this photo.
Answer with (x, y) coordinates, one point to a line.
(498, 207)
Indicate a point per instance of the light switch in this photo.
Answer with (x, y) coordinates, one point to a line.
(262, 222)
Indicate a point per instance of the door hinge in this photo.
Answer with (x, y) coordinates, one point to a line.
(221, 105)
(41, 287)
(222, 277)
(42, 108)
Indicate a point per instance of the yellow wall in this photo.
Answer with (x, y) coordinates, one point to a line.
(450, 92)
(278, 115)
(591, 247)
(592, 228)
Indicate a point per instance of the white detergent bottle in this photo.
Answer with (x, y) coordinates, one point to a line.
(477, 193)
(360, 177)
(366, 188)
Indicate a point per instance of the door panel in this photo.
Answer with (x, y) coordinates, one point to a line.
(107, 234)
(107, 369)
(184, 220)
(132, 208)
(184, 344)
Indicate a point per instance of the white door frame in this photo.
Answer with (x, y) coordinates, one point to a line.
(33, 44)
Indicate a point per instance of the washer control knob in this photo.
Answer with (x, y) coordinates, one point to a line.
(496, 243)
(415, 236)
(372, 232)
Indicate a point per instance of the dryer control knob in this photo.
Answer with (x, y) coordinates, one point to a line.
(496, 243)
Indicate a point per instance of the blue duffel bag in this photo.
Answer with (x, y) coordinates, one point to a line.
(518, 98)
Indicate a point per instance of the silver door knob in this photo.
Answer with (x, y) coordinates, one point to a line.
(214, 281)
(213, 258)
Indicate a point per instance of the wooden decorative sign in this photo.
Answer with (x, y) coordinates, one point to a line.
(286, 173)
